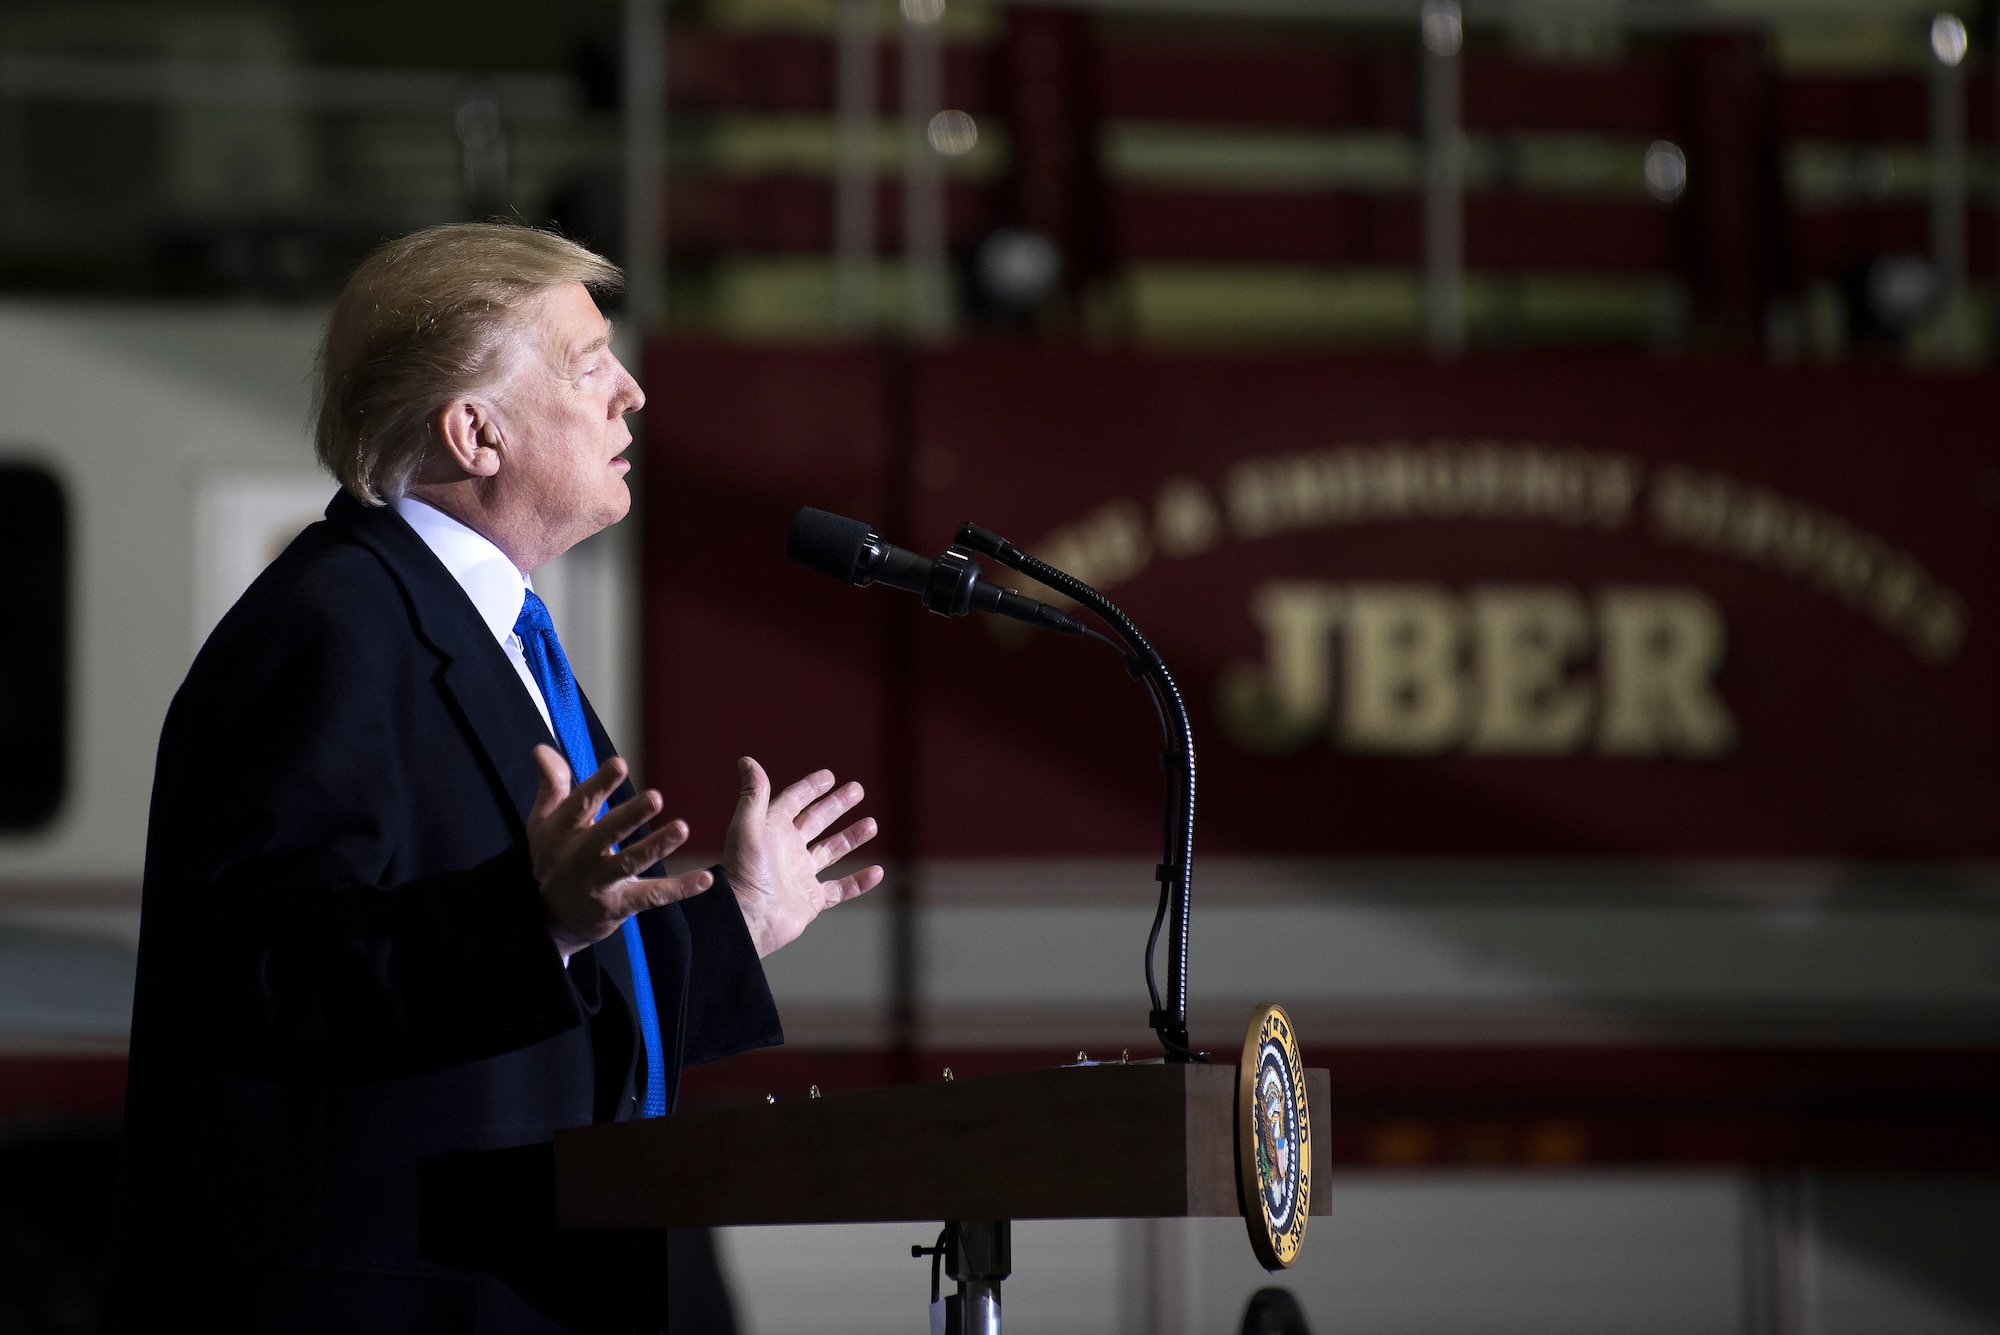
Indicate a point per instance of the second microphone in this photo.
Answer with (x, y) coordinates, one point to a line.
(853, 553)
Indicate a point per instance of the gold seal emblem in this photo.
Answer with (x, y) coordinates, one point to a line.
(1273, 1139)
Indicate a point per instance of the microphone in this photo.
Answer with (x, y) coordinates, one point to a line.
(850, 551)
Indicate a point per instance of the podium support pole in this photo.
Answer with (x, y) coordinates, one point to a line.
(980, 1255)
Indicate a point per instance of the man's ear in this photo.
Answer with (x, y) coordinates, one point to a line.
(466, 429)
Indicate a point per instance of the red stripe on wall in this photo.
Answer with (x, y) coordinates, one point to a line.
(49, 1086)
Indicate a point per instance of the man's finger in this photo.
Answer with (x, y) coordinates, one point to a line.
(815, 818)
(793, 800)
(672, 889)
(850, 887)
(639, 894)
(590, 795)
(552, 782)
(617, 824)
(635, 858)
(837, 846)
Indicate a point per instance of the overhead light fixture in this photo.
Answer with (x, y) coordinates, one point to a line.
(1017, 268)
(1444, 27)
(1948, 39)
(953, 133)
(1666, 171)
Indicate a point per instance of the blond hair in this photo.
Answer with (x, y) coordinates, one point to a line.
(427, 318)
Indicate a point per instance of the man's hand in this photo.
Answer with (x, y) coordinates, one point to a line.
(589, 891)
(773, 864)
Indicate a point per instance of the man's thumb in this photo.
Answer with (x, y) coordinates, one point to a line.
(552, 785)
(756, 785)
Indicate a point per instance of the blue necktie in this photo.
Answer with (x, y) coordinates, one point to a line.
(551, 670)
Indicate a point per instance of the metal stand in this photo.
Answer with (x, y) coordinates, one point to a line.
(978, 1254)
(1168, 1018)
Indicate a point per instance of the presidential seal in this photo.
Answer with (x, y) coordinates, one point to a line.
(1273, 1139)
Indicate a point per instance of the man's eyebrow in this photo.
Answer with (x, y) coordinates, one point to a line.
(579, 353)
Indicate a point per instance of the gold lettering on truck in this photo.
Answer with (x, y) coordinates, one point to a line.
(1388, 668)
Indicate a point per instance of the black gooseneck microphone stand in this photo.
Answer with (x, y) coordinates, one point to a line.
(1168, 1017)
(978, 1253)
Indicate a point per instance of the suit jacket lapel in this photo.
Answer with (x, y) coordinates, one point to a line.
(502, 718)
(475, 673)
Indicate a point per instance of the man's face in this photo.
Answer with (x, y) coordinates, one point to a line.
(563, 420)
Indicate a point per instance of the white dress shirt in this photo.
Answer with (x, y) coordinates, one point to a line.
(495, 585)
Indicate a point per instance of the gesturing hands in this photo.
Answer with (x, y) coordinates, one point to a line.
(773, 865)
(772, 862)
(588, 890)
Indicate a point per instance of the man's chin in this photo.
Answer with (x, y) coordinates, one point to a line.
(617, 505)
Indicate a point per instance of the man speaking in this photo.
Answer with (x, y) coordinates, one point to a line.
(401, 899)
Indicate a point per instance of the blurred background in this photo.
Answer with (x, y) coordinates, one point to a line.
(1554, 443)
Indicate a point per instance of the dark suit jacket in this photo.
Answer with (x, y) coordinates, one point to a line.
(344, 968)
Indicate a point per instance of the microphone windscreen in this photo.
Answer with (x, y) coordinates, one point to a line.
(829, 543)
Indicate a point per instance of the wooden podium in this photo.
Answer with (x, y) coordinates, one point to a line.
(1092, 1141)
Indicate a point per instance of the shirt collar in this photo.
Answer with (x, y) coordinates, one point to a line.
(495, 585)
